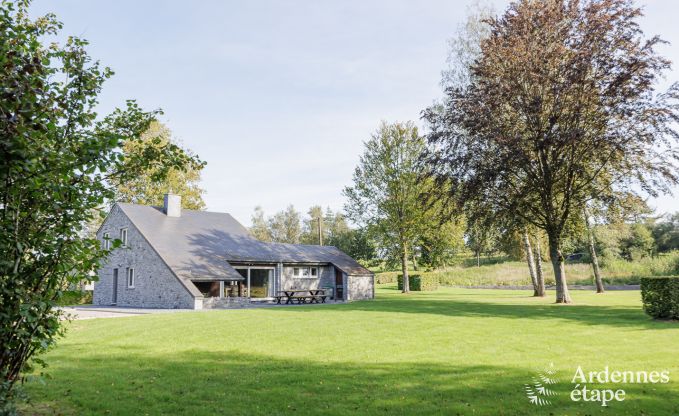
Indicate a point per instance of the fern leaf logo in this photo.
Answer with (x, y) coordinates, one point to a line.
(540, 390)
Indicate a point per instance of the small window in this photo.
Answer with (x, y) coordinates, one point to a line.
(305, 272)
(130, 278)
(123, 236)
(107, 241)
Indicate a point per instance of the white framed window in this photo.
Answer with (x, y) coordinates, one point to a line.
(123, 236)
(107, 241)
(130, 278)
(305, 272)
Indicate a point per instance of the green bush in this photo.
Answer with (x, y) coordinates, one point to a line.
(427, 282)
(386, 277)
(419, 282)
(74, 297)
(412, 278)
(660, 296)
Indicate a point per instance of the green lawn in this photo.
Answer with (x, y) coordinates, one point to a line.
(453, 351)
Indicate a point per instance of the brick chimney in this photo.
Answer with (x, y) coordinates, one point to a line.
(172, 205)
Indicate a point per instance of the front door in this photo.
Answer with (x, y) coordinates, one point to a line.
(114, 296)
(339, 285)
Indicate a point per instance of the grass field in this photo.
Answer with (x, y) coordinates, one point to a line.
(515, 273)
(453, 351)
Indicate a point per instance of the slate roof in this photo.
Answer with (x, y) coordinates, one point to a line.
(200, 244)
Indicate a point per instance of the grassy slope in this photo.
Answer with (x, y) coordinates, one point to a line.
(453, 351)
(512, 273)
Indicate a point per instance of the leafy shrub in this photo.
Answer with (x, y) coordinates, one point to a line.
(660, 296)
(427, 283)
(411, 279)
(74, 297)
(386, 277)
(419, 282)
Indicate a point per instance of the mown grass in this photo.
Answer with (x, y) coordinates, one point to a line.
(515, 273)
(453, 351)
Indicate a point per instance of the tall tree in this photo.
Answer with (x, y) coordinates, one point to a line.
(530, 259)
(314, 226)
(594, 259)
(260, 227)
(465, 45)
(285, 226)
(481, 235)
(387, 192)
(441, 241)
(57, 158)
(539, 275)
(357, 243)
(145, 189)
(336, 225)
(666, 233)
(560, 110)
(639, 242)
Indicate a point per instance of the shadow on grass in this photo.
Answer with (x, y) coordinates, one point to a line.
(207, 383)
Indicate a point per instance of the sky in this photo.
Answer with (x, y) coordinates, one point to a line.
(278, 97)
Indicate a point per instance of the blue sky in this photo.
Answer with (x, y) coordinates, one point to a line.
(276, 96)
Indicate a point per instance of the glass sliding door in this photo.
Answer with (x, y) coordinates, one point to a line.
(261, 283)
(258, 281)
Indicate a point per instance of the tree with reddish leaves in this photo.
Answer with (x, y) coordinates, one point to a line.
(561, 109)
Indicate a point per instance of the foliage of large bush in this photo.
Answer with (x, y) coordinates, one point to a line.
(58, 160)
(660, 296)
(386, 277)
(428, 283)
(75, 297)
(419, 282)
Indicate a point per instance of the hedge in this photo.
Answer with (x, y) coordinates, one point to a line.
(660, 296)
(419, 283)
(386, 277)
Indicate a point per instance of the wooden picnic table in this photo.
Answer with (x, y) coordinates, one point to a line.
(301, 295)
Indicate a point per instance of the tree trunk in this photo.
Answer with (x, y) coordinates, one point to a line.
(531, 262)
(562, 295)
(478, 258)
(592, 253)
(414, 261)
(538, 269)
(404, 269)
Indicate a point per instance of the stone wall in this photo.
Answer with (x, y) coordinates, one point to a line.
(360, 287)
(326, 277)
(155, 286)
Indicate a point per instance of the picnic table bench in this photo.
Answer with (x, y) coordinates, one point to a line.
(301, 296)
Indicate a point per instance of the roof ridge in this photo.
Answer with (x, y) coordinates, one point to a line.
(183, 209)
(215, 239)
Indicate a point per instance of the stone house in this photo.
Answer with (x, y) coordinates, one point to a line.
(176, 258)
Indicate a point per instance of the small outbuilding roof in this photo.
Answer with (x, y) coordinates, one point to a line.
(200, 244)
